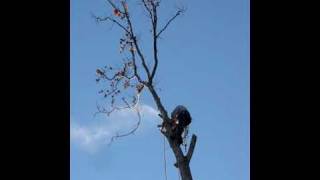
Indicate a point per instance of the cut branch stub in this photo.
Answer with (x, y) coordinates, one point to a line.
(191, 147)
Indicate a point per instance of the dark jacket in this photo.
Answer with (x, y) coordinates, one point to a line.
(182, 115)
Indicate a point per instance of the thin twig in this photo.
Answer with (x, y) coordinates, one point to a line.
(114, 6)
(132, 131)
(165, 27)
(110, 19)
(148, 9)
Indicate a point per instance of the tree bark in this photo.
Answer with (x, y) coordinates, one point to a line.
(182, 161)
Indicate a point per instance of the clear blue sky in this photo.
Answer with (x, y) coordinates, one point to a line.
(204, 64)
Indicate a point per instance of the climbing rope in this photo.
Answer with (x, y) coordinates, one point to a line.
(185, 138)
(165, 157)
(184, 143)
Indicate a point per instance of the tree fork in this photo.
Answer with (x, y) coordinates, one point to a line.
(183, 162)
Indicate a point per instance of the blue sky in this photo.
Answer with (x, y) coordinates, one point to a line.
(204, 65)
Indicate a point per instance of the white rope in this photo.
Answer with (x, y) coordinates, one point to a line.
(185, 138)
(165, 157)
(179, 174)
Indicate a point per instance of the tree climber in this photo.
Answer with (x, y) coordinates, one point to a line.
(180, 119)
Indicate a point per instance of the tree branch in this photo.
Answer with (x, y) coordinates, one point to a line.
(148, 9)
(155, 43)
(131, 132)
(135, 41)
(114, 6)
(191, 148)
(104, 75)
(156, 98)
(165, 27)
(135, 66)
(110, 19)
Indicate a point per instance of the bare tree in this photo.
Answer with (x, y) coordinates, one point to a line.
(128, 79)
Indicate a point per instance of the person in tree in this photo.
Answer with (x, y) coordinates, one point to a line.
(181, 119)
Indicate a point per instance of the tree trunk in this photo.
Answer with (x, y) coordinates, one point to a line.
(182, 160)
(185, 172)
